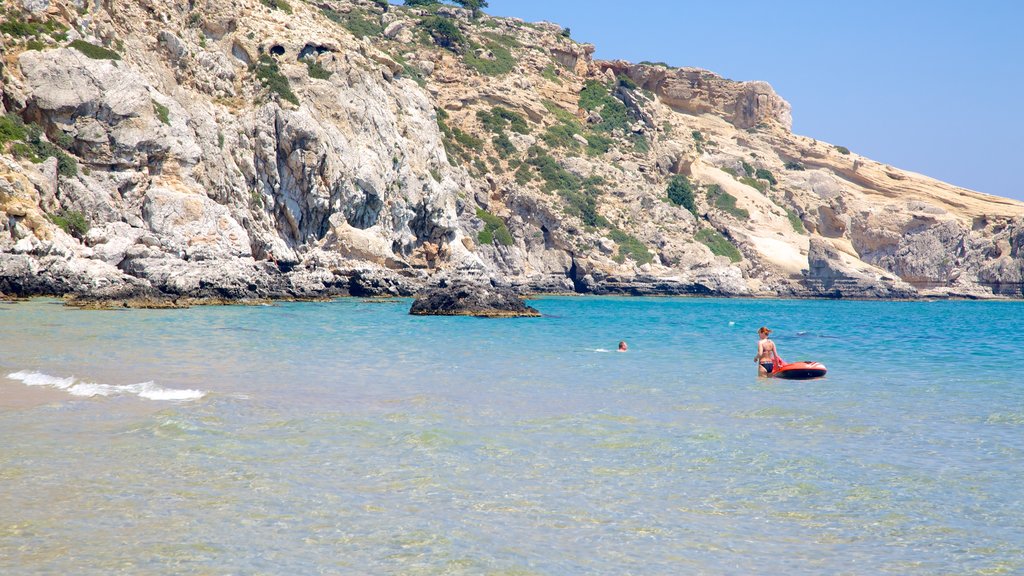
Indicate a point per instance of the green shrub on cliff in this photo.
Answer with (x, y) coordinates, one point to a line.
(29, 144)
(93, 51)
(719, 245)
(162, 112)
(795, 222)
(725, 202)
(270, 75)
(842, 149)
(281, 5)
(630, 246)
(680, 193)
(500, 118)
(357, 22)
(495, 230)
(71, 221)
(18, 27)
(561, 136)
(501, 63)
(555, 177)
(316, 70)
(11, 128)
(445, 33)
(759, 185)
(596, 96)
(764, 174)
(583, 204)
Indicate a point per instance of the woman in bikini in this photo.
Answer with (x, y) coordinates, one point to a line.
(765, 353)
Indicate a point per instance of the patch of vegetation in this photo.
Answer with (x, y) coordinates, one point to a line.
(22, 150)
(560, 114)
(666, 127)
(29, 144)
(555, 177)
(503, 145)
(842, 149)
(794, 165)
(502, 62)
(504, 40)
(270, 75)
(435, 174)
(649, 63)
(500, 118)
(725, 202)
(631, 247)
(730, 171)
(549, 73)
(445, 33)
(93, 51)
(795, 221)
(747, 168)
(583, 204)
(162, 112)
(467, 140)
(719, 245)
(598, 144)
(697, 136)
(561, 136)
(316, 70)
(35, 45)
(640, 144)
(11, 128)
(523, 174)
(495, 230)
(19, 27)
(596, 96)
(451, 148)
(764, 174)
(626, 82)
(410, 71)
(759, 185)
(71, 221)
(357, 22)
(481, 168)
(281, 5)
(495, 164)
(680, 193)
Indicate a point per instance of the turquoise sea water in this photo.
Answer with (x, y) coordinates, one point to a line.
(350, 438)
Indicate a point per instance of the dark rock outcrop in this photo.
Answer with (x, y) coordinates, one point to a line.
(466, 299)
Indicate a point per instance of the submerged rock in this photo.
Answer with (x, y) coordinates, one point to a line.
(471, 300)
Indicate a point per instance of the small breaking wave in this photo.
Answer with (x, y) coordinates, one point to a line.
(147, 390)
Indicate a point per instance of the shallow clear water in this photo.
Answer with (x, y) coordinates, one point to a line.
(350, 438)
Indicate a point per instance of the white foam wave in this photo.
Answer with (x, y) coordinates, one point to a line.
(147, 390)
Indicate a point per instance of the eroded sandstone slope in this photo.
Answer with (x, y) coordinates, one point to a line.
(258, 148)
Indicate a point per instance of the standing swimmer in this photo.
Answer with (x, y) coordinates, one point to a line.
(766, 353)
(622, 346)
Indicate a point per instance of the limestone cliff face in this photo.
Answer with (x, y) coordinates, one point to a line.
(273, 149)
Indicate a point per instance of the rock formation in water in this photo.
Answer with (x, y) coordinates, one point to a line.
(269, 149)
(471, 299)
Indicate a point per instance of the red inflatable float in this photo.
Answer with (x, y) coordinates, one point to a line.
(804, 370)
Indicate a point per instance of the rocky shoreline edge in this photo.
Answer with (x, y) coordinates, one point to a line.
(239, 282)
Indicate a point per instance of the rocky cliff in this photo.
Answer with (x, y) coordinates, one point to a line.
(271, 149)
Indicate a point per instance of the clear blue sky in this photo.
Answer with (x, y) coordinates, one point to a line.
(935, 87)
